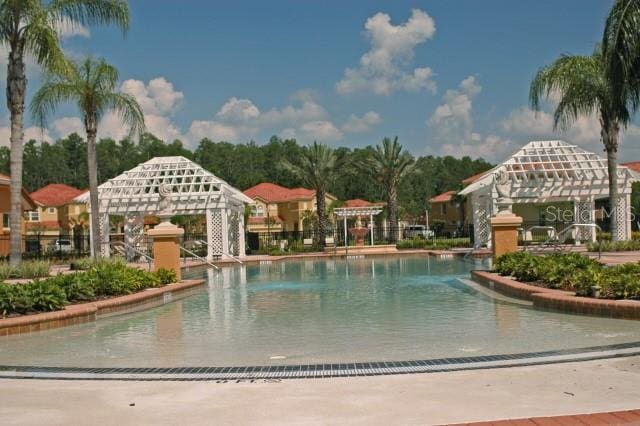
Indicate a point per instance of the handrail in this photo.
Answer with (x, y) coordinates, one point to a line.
(202, 259)
(568, 228)
(148, 258)
(227, 254)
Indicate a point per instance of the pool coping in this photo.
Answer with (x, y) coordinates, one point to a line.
(91, 311)
(558, 300)
(318, 371)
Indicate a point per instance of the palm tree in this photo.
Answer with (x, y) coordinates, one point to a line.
(621, 50)
(92, 85)
(585, 88)
(30, 27)
(318, 168)
(389, 163)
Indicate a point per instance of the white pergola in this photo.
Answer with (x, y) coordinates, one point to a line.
(134, 194)
(347, 212)
(552, 171)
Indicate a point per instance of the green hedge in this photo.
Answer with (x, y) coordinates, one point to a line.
(433, 244)
(25, 269)
(606, 245)
(104, 279)
(572, 271)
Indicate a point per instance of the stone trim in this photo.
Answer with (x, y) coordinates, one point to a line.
(558, 300)
(88, 312)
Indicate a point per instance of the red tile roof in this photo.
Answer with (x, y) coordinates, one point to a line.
(273, 193)
(634, 165)
(55, 194)
(471, 179)
(444, 197)
(360, 203)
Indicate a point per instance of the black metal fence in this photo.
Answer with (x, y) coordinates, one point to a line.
(403, 237)
(60, 246)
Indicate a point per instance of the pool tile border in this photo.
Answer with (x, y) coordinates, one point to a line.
(317, 371)
(88, 312)
(558, 300)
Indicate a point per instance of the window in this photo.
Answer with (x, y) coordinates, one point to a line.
(444, 208)
(5, 220)
(51, 210)
(33, 216)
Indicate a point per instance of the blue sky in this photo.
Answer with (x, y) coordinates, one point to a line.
(447, 77)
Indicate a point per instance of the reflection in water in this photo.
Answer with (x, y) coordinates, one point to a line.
(319, 311)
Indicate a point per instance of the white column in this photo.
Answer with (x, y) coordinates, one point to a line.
(105, 249)
(209, 228)
(225, 231)
(345, 231)
(242, 234)
(371, 226)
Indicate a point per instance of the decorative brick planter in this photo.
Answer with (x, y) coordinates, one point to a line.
(558, 300)
(87, 312)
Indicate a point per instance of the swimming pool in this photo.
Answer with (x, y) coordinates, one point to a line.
(320, 311)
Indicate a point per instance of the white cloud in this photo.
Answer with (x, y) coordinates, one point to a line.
(68, 28)
(67, 125)
(492, 148)
(158, 97)
(321, 131)
(214, 131)
(385, 68)
(238, 110)
(362, 124)
(452, 119)
(33, 132)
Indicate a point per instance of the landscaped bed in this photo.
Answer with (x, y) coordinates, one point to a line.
(572, 272)
(102, 280)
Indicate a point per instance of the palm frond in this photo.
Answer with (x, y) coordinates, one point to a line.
(93, 12)
(127, 108)
(49, 96)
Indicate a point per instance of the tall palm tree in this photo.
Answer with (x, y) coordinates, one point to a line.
(30, 27)
(389, 163)
(92, 86)
(318, 168)
(585, 88)
(621, 50)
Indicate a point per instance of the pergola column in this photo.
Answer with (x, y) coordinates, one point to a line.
(584, 213)
(214, 233)
(105, 248)
(371, 227)
(623, 217)
(241, 235)
(133, 233)
(481, 226)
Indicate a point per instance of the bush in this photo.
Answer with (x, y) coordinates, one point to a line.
(629, 245)
(166, 276)
(573, 272)
(103, 278)
(25, 269)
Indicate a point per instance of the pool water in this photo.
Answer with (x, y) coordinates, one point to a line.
(315, 311)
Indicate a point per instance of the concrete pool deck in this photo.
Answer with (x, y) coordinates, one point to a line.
(437, 398)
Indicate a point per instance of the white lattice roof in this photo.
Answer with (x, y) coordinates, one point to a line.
(554, 169)
(194, 188)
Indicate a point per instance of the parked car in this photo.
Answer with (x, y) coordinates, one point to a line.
(63, 246)
(417, 231)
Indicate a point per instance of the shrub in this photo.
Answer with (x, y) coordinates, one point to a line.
(75, 286)
(166, 276)
(45, 296)
(572, 271)
(628, 245)
(25, 269)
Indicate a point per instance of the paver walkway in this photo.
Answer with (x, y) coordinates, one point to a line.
(630, 417)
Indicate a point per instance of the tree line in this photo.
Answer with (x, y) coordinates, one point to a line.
(242, 166)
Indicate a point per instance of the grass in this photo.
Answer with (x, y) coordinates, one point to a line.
(25, 269)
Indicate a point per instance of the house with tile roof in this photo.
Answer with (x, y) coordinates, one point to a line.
(57, 212)
(5, 211)
(281, 209)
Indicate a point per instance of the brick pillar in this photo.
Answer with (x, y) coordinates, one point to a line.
(504, 233)
(166, 247)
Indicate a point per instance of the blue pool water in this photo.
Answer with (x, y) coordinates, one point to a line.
(375, 309)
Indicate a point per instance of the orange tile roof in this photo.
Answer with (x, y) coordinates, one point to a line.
(273, 193)
(55, 194)
(360, 203)
(473, 178)
(444, 197)
(634, 165)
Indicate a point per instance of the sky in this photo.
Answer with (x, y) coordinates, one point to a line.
(448, 77)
